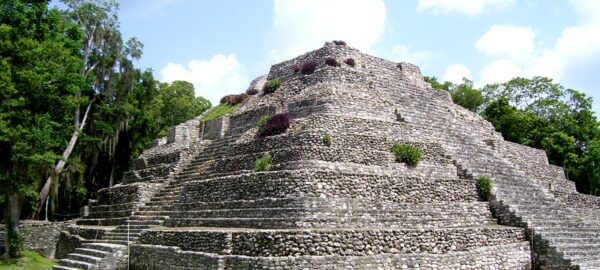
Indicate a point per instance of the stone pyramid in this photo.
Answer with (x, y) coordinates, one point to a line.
(193, 201)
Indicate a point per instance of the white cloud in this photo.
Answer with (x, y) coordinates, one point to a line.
(213, 78)
(519, 56)
(499, 71)
(402, 53)
(455, 73)
(512, 41)
(467, 7)
(303, 25)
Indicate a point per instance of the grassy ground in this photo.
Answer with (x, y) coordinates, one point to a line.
(30, 260)
(222, 109)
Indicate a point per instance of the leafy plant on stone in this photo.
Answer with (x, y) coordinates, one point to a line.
(411, 155)
(339, 42)
(233, 99)
(251, 91)
(271, 86)
(296, 69)
(484, 187)
(330, 61)
(350, 62)
(327, 140)
(277, 124)
(309, 67)
(264, 163)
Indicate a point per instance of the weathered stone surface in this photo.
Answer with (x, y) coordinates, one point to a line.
(193, 201)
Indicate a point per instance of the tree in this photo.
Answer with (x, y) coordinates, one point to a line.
(100, 50)
(543, 114)
(39, 77)
(179, 103)
(463, 94)
(466, 95)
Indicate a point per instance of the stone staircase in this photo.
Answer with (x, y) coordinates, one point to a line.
(111, 251)
(561, 237)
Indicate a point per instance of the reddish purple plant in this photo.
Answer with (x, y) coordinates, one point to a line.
(251, 92)
(296, 69)
(233, 99)
(330, 61)
(309, 67)
(277, 124)
(350, 62)
(339, 42)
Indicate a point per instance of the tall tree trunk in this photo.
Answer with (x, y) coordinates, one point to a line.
(61, 163)
(12, 238)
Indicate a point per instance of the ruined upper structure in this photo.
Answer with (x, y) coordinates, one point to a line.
(193, 201)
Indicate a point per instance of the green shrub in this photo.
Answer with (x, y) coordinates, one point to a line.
(261, 122)
(263, 163)
(271, 86)
(411, 155)
(484, 187)
(327, 139)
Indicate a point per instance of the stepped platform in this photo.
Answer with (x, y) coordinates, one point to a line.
(194, 201)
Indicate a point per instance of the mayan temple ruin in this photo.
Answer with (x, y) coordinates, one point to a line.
(335, 196)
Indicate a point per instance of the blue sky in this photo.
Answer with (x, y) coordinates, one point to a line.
(221, 45)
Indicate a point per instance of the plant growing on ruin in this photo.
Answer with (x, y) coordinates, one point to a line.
(309, 67)
(484, 187)
(327, 139)
(233, 99)
(271, 86)
(330, 61)
(261, 122)
(411, 155)
(264, 163)
(350, 62)
(275, 125)
(339, 42)
(296, 69)
(251, 91)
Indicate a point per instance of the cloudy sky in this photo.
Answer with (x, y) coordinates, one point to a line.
(221, 45)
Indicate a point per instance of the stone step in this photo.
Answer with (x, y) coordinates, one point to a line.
(566, 240)
(416, 213)
(92, 252)
(147, 216)
(145, 222)
(106, 241)
(61, 267)
(76, 264)
(108, 247)
(84, 258)
(327, 222)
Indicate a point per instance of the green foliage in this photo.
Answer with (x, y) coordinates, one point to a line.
(484, 187)
(30, 260)
(540, 113)
(436, 84)
(220, 111)
(264, 163)
(466, 96)
(463, 94)
(271, 86)
(411, 155)
(327, 140)
(261, 122)
(15, 242)
(179, 103)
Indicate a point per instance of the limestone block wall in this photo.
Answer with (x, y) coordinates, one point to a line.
(513, 256)
(40, 236)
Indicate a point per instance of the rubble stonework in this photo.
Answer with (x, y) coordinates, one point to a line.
(193, 201)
